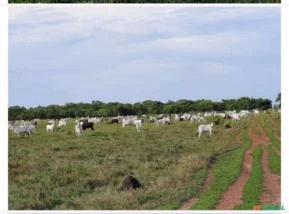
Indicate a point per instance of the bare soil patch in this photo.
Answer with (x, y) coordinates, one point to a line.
(189, 203)
(277, 151)
(232, 196)
(271, 193)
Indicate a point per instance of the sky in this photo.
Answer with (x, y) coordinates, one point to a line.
(130, 54)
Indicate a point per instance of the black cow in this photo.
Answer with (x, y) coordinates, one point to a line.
(114, 121)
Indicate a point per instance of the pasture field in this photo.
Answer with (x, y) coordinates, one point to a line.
(61, 171)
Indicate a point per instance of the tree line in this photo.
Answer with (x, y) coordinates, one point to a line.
(102, 109)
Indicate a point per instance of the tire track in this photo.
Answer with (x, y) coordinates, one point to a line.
(232, 197)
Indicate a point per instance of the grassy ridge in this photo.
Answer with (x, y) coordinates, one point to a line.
(253, 187)
(272, 126)
(271, 123)
(224, 173)
(61, 171)
(144, 1)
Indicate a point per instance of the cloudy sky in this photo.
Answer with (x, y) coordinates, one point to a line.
(130, 54)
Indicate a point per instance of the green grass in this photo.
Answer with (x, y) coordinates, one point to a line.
(273, 139)
(245, 139)
(274, 161)
(253, 187)
(143, 1)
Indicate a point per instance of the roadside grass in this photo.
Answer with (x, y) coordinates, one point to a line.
(60, 171)
(253, 187)
(272, 126)
(274, 161)
(273, 139)
(267, 124)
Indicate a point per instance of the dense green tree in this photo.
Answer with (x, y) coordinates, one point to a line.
(278, 100)
(100, 109)
(145, 1)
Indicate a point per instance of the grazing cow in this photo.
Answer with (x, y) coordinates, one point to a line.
(78, 128)
(235, 117)
(185, 116)
(87, 125)
(201, 119)
(138, 124)
(11, 125)
(163, 121)
(62, 122)
(50, 126)
(23, 129)
(177, 117)
(205, 128)
(114, 121)
(128, 121)
(95, 120)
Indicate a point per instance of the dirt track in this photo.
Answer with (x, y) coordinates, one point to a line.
(233, 195)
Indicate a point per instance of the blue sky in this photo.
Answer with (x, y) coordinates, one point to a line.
(130, 54)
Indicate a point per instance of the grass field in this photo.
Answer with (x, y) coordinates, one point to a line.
(61, 171)
(253, 187)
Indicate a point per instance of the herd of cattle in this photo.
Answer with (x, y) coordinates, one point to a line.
(21, 128)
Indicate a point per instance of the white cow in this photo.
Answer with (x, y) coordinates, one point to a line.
(201, 119)
(95, 120)
(50, 126)
(205, 128)
(138, 124)
(23, 129)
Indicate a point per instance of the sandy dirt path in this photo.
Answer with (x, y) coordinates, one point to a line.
(232, 197)
(189, 203)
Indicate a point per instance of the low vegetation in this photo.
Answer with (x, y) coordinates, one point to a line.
(272, 125)
(60, 171)
(224, 172)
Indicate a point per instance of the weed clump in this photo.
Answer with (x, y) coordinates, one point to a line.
(130, 183)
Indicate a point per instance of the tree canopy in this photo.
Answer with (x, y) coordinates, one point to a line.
(144, 1)
(278, 100)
